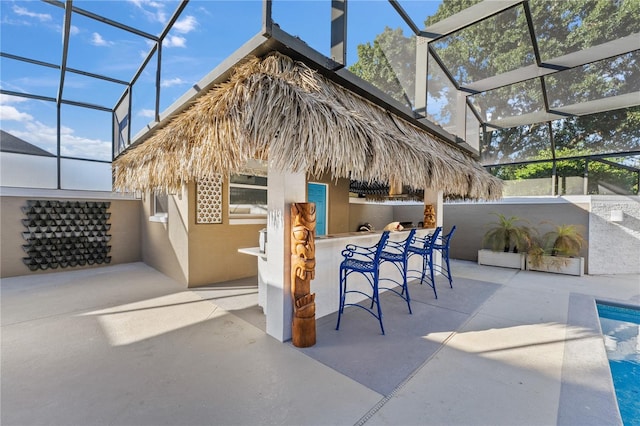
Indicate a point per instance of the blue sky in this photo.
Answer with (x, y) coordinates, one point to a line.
(205, 34)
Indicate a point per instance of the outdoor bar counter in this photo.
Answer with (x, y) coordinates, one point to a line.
(328, 254)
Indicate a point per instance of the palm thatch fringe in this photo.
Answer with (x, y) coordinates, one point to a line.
(281, 111)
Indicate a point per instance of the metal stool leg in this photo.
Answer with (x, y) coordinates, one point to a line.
(448, 268)
(376, 295)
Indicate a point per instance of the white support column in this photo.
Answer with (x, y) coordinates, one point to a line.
(283, 189)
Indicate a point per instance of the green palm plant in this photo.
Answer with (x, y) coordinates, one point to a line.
(564, 240)
(507, 232)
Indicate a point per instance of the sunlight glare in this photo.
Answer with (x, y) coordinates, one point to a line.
(134, 322)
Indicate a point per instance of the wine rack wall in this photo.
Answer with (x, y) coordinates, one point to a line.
(60, 234)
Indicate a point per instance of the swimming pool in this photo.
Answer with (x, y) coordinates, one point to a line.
(620, 327)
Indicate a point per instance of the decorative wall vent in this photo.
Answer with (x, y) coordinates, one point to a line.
(209, 200)
(60, 234)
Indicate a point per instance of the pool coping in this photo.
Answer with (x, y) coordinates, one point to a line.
(584, 356)
(617, 304)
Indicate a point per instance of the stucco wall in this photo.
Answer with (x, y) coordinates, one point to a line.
(472, 220)
(409, 213)
(213, 248)
(379, 215)
(125, 231)
(165, 244)
(614, 246)
(197, 254)
(201, 254)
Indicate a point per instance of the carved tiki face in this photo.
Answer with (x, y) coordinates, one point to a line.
(429, 216)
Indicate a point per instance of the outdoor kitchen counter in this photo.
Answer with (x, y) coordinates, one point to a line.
(326, 284)
(393, 235)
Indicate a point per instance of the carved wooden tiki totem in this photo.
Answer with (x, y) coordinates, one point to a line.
(429, 216)
(303, 263)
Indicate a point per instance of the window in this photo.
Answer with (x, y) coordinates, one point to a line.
(160, 208)
(247, 196)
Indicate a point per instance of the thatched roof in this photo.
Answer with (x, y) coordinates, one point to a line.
(284, 112)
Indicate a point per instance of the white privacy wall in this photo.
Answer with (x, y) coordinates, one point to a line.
(614, 238)
(34, 171)
(28, 171)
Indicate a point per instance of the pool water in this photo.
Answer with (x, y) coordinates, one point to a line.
(620, 327)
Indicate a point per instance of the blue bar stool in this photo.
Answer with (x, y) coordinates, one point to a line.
(397, 253)
(443, 247)
(365, 261)
(424, 246)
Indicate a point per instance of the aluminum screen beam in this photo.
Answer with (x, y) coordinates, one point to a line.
(572, 60)
(50, 99)
(618, 154)
(583, 108)
(613, 163)
(405, 17)
(506, 79)
(104, 20)
(57, 67)
(601, 105)
(422, 57)
(596, 53)
(339, 32)
(467, 17)
(27, 95)
(66, 29)
(486, 9)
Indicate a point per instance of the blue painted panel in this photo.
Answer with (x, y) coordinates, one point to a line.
(317, 193)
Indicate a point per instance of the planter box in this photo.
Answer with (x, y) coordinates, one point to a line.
(559, 265)
(502, 259)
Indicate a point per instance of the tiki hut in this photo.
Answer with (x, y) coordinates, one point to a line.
(280, 110)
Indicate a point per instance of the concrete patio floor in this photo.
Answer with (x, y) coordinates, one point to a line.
(125, 345)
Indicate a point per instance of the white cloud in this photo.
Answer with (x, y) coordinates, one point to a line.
(185, 25)
(45, 137)
(74, 30)
(174, 41)
(172, 82)
(8, 99)
(204, 11)
(153, 10)
(97, 40)
(77, 146)
(23, 11)
(38, 134)
(8, 112)
(36, 81)
(147, 113)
